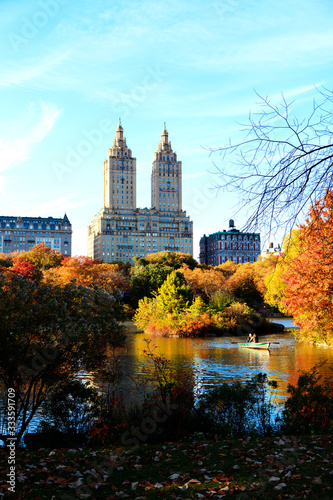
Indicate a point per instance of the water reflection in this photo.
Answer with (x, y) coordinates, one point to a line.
(215, 360)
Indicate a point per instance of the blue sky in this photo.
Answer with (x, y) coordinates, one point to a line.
(70, 68)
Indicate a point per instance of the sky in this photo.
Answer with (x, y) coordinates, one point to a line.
(71, 68)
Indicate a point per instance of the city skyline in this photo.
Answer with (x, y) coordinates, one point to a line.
(71, 69)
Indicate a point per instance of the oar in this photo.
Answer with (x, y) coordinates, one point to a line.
(254, 342)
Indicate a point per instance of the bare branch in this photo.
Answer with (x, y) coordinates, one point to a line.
(282, 164)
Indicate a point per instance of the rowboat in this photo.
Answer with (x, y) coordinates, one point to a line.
(255, 345)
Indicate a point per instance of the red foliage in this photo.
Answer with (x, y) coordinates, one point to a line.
(27, 270)
(83, 260)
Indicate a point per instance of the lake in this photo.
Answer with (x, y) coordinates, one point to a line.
(219, 359)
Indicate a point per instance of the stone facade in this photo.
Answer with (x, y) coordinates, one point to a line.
(121, 231)
(20, 234)
(232, 245)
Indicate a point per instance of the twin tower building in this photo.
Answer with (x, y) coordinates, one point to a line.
(121, 231)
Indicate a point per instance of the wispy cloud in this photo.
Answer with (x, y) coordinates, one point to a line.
(13, 151)
(37, 71)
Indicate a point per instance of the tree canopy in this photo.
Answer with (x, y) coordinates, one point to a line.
(41, 256)
(171, 259)
(48, 333)
(309, 276)
(88, 272)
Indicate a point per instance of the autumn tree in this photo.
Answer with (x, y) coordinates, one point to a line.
(309, 277)
(244, 286)
(228, 268)
(204, 282)
(88, 272)
(263, 267)
(48, 333)
(274, 281)
(171, 259)
(41, 256)
(6, 260)
(27, 270)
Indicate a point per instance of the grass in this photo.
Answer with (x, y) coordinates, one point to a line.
(267, 468)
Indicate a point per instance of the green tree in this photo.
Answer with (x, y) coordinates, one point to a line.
(147, 279)
(174, 296)
(48, 333)
(172, 259)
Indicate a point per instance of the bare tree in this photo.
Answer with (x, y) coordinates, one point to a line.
(282, 164)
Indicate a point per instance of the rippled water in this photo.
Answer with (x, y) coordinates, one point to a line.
(219, 359)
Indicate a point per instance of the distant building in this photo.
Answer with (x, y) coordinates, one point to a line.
(271, 250)
(233, 245)
(121, 231)
(20, 234)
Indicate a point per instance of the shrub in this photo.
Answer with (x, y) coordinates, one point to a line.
(238, 410)
(144, 313)
(70, 409)
(161, 386)
(309, 407)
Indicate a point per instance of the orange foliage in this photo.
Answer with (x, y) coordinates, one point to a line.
(228, 268)
(41, 256)
(245, 285)
(204, 282)
(309, 277)
(87, 272)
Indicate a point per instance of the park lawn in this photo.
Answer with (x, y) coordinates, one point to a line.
(267, 468)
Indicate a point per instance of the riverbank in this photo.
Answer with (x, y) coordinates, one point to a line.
(260, 468)
(264, 328)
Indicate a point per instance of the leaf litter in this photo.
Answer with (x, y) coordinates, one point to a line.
(267, 468)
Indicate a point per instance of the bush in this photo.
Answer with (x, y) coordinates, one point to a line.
(238, 410)
(70, 409)
(309, 407)
(161, 386)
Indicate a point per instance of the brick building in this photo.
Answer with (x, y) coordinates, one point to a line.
(231, 244)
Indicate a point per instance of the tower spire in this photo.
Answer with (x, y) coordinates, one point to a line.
(119, 126)
(119, 133)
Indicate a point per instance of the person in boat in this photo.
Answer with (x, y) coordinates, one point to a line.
(255, 338)
(250, 338)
